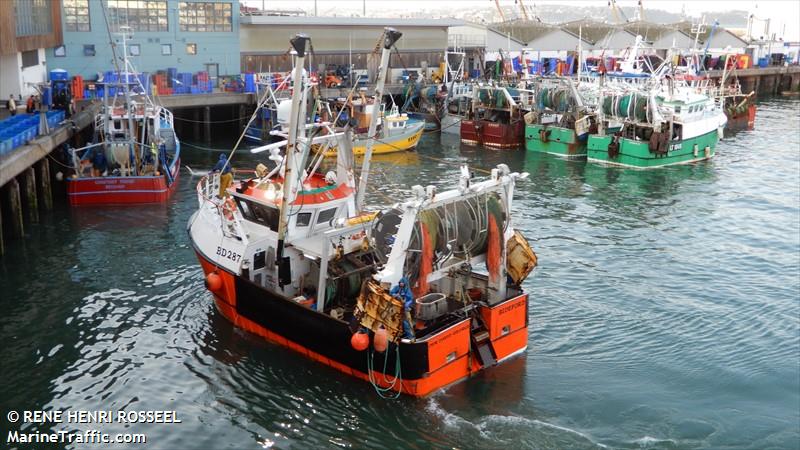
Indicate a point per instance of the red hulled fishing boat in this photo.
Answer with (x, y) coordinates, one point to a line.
(135, 156)
(412, 298)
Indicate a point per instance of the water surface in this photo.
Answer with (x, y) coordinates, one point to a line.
(664, 314)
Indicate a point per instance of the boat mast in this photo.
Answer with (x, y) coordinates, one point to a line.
(390, 36)
(127, 91)
(295, 121)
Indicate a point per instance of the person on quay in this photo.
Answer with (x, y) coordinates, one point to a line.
(403, 293)
(11, 105)
(226, 175)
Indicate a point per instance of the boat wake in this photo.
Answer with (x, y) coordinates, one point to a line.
(497, 429)
(196, 173)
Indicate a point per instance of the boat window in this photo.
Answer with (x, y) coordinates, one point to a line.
(303, 219)
(245, 209)
(260, 214)
(677, 110)
(259, 260)
(326, 216)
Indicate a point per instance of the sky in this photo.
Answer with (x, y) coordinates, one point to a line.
(780, 12)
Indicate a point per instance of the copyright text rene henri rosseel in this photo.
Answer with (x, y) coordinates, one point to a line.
(85, 417)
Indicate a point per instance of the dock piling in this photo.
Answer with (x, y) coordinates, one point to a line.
(196, 118)
(14, 208)
(43, 185)
(31, 204)
(207, 123)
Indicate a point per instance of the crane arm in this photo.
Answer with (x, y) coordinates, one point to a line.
(524, 13)
(502, 16)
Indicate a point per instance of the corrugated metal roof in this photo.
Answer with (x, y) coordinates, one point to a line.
(590, 30)
(686, 27)
(524, 31)
(650, 31)
(348, 21)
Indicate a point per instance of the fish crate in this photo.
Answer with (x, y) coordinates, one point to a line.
(431, 306)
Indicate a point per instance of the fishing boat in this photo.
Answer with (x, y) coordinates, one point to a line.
(423, 103)
(739, 108)
(135, 154)
(495, 118)
(666, 124)
(397, 297)
(266, 119)
(396, 132)
(561, 122)
(458, 99)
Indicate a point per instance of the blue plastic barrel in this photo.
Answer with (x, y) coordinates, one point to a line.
(249, 82)
(59, 75)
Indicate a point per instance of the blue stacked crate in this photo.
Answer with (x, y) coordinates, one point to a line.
(172, 75)
(17, 130)
(249, 82)
(183, 84)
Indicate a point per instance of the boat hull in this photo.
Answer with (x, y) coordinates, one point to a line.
(121, 190)
(405, 141)
(741, 120)
(428, 365)
(637, 154)
(432, 123)
(560, 141)
(451, 124)
(492, 134)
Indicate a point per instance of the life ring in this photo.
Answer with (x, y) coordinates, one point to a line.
(228, 207)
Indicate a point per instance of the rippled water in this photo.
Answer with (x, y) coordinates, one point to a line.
(664, 314)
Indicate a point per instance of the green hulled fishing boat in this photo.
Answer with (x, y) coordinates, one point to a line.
(561, 122)
(659, 129)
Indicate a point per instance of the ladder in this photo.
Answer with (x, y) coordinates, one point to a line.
(481, 342)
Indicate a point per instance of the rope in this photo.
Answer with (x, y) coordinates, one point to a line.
(203, 148)
(210, 121)
(398, 374)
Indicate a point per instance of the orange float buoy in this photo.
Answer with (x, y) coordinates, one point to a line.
(213, 281)
(360, 341)
(381, 340)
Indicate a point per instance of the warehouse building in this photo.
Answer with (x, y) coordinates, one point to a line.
(340, 41)
(27, 28)
(189, 35)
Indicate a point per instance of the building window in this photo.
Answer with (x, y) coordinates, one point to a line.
(204, 16)
(191, 49)
(76, 15)
(166, 49)
(60, 51)
(134, 50)
(33, 17)
(140, 15)
(30, 58)
(88, 50)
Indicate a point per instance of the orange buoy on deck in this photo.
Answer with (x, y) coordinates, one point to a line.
(381, 340)
(213, 282)
(360, 341)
